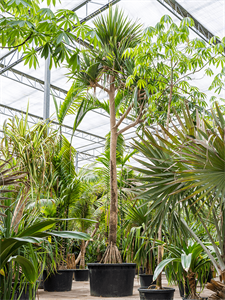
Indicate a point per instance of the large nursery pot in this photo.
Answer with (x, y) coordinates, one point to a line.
(111, 280)
(81, 274)
(146, 280)
(153, 294)
(61, 281)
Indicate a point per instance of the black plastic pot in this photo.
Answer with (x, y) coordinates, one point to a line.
(111, 280)
(58, 282)
(81, 275)
(25, 293)
(146, 280)
(152, 294)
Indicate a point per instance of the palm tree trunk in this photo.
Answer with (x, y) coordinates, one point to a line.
(192, 284)
(87, 242)
(82, 259)
(113, 173)
(112, 254)
(159, 278)
(121, 211)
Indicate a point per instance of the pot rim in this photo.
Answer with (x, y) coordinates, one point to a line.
(113, 265)
(64, 270)
(164, 289)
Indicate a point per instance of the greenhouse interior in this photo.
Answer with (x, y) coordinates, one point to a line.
(112, 169)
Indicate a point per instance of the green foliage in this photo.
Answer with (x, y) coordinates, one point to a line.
(25, 23)
(28, 250)
(31, 146)
(188, 168)
(183, 259)
(114, 33)
(165, 61)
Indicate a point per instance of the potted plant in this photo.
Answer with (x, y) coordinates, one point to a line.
(106, 69)
(139, 245)
(188, 262)
(29, 241)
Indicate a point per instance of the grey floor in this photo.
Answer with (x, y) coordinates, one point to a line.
(81, 290)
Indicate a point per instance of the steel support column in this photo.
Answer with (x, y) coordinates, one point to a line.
(46, 107)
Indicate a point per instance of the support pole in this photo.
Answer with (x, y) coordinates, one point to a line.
(47, 79)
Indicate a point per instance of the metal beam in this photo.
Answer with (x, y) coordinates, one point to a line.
(86, 156)
(180, 12)
(33, 82)
(98, 11)
(19, 56)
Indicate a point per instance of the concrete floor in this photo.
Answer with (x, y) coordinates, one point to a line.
(81, 290)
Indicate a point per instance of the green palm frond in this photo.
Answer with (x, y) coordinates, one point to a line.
(116, 33)
(185, 166)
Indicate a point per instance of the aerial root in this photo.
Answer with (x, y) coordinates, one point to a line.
(111, 255)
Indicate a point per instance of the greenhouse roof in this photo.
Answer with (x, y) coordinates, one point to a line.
(20, 85)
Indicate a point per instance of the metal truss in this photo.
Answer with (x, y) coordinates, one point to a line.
(33, 82)
(104, 7)
(180, 12)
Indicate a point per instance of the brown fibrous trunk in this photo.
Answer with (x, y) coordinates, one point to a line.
(192, 284)
(218, 288)
(82, 258)
(112, 254)
(159, 278)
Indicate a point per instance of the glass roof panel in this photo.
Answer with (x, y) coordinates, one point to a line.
(210, 13)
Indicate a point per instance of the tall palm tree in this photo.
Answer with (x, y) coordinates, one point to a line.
(106, 69)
